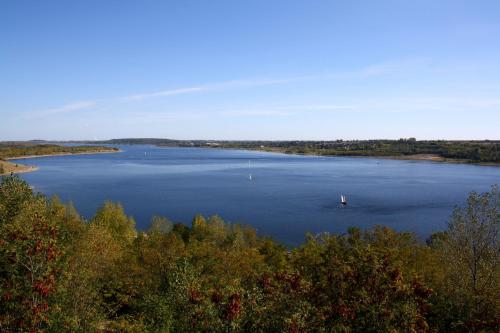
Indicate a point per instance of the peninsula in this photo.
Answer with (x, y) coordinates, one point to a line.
(22, 150)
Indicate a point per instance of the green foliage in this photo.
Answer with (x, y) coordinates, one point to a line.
(471, 248)
(358, 281)
(31, 255)
(111, 217)
(59, 273)
(13, 194)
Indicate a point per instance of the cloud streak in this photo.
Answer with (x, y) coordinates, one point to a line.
(70, 107)
(173, 92)
(381, 106)
(380, 69)
(218, 86)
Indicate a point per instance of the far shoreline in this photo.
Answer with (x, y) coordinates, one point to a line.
(414, 157)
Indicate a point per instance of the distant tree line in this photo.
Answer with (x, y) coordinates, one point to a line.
(471, 151)
(61, 273)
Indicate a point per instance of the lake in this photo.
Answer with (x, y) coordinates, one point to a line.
(287, 196)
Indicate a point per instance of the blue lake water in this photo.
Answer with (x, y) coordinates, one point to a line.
(287, 196)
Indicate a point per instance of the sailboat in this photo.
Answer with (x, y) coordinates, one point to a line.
(249, 174)
(343, 200)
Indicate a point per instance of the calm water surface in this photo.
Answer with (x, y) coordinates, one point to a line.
(287, 196)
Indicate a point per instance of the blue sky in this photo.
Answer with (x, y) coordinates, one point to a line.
(259, 69)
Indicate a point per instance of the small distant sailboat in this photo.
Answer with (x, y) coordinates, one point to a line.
(249, 174)
(343, 200)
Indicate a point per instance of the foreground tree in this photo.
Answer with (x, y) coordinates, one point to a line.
(13, 194)
(358, 284)
(470, 251)
(31, 253)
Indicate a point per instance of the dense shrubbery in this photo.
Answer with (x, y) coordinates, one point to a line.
(59, 273)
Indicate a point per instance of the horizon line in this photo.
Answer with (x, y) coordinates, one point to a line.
(247, 140)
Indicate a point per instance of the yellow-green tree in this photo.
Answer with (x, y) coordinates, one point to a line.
(470, 252)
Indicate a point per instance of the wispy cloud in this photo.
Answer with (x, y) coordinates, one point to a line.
(403, 66)
(380, 69)
(172, 92)
(217, 86)
(70, 107)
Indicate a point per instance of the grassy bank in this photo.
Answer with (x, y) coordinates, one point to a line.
(6, 168)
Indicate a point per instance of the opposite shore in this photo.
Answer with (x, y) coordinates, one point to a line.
(413, 157)
(7, 167)
(476, 152)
